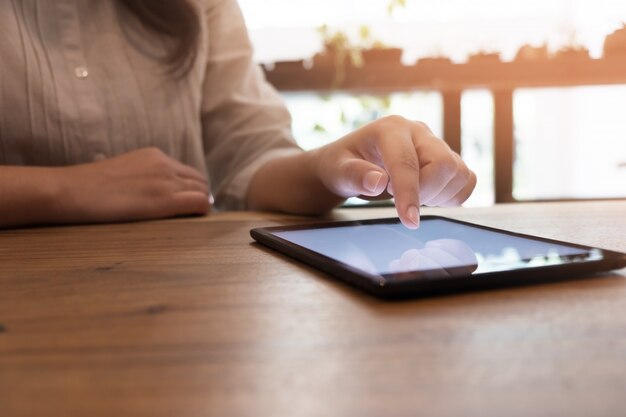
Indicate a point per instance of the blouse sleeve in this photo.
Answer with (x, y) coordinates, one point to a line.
(244, 120)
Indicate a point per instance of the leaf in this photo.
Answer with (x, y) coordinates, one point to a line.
(319, 128)
(356, 58)
(364, 32)
(394, 4)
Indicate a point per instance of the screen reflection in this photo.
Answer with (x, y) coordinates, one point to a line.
(439, 248)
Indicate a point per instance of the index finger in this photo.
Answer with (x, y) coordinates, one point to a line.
(402, 164)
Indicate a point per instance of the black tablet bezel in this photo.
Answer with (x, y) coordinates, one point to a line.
(380, 286)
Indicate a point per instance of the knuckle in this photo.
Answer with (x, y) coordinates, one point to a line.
(165, 169)
(161, 161)
(421, 129)
(386, 123)
(448, 168)
(158, 159)
(464, 173)
(420, 125)
(409, 161)
(154, 152)
(395, 119)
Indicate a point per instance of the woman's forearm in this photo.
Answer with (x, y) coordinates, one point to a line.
(28, 195)
(290, 184)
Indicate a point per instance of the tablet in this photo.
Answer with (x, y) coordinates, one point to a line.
(387, 259)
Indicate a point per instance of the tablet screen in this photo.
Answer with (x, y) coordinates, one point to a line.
(439, 247)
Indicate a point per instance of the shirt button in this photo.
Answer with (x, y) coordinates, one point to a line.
(99, 157)
(81, 72)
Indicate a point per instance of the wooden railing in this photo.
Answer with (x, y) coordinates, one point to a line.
(502, 78)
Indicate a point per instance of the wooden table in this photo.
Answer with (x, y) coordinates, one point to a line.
(187, 318)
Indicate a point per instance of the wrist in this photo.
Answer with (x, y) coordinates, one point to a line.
(61, 190)
(319, 163)
(318, 160)
(30, 196)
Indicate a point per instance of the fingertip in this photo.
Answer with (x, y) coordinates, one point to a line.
(411, 218)
(192, 202)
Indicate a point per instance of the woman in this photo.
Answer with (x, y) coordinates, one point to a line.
(123, 110)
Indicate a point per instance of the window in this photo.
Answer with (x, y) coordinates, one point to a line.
(569, 142)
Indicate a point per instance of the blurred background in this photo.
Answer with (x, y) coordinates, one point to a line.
(532, 93)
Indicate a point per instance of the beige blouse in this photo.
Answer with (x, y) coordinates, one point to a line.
(80, 81)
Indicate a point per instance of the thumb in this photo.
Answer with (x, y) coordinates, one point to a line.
(359, 177)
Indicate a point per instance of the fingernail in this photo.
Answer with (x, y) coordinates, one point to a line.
(413, 214)
(372, 180)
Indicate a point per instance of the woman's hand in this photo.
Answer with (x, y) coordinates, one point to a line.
(143, 184)
(395, 157)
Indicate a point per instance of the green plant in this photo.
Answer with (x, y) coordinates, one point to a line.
(337, 46)
(395, 4)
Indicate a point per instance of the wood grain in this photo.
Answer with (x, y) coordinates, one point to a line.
(187, 317)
